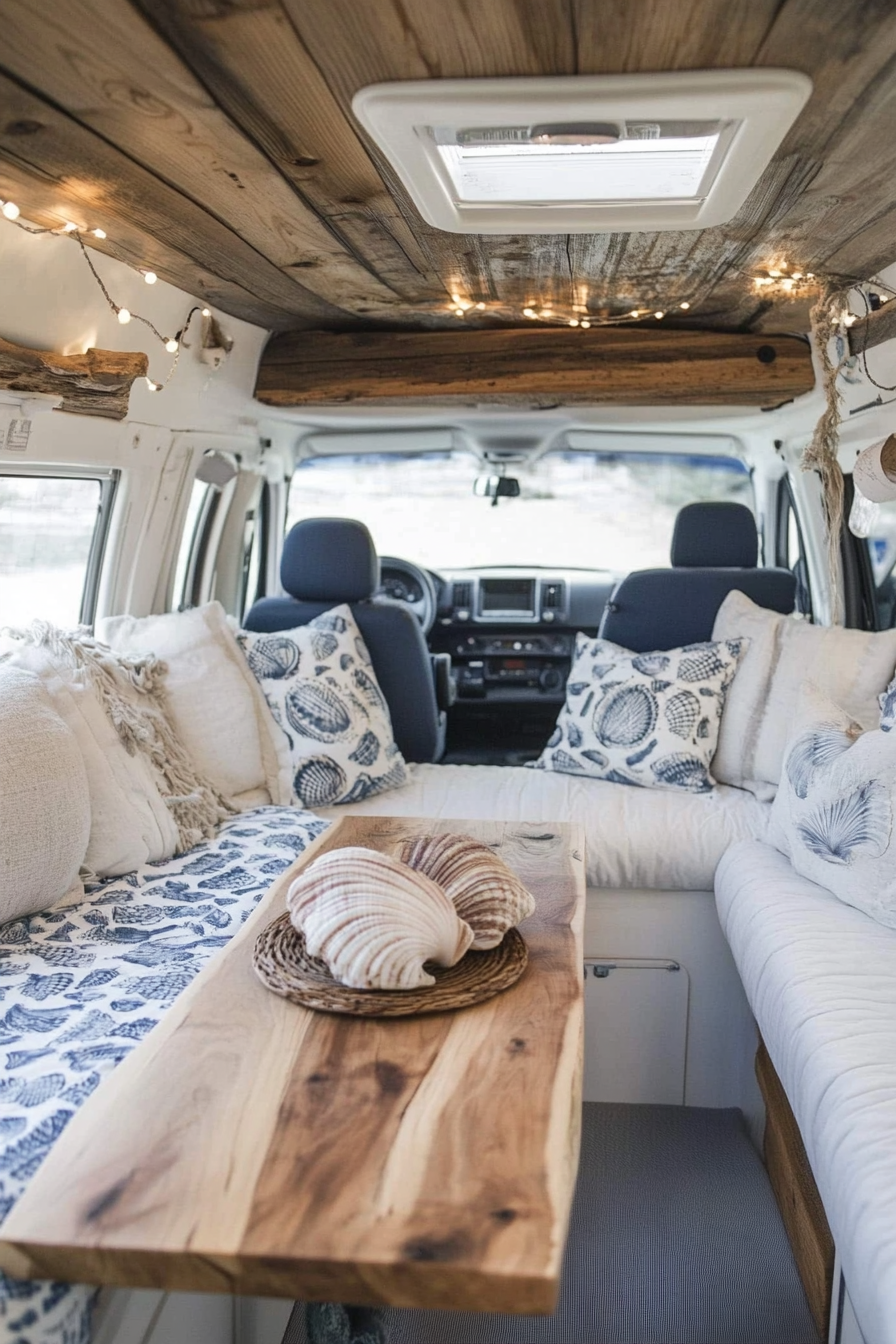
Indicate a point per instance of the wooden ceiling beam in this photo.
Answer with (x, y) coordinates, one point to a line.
(57, 170)
(102, 62)
(632, 367)
(96, 383)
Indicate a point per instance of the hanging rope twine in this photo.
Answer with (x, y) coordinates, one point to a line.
(821, 453)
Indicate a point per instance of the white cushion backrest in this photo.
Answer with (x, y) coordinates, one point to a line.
(215, 704)
(130, 823)
(850, 666)
(44, 799)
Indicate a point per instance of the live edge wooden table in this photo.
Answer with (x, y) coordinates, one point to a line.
(252, 1146)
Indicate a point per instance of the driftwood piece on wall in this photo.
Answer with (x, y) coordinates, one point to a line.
(535, 366)
(873, 329)
(95, 383)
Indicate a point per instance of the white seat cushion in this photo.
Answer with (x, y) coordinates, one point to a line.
(634, 837)
(821, 980)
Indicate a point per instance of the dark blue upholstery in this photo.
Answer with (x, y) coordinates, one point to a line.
(327, 561)
(714, 535)
(666, 608)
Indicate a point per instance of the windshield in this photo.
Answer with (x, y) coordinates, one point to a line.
(575, 509)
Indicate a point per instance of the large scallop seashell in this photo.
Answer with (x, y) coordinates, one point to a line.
(814, 752)
(625, 717)
(315, 710)
(858, 825)
(374, 921)
(486, 893)
(681, 771)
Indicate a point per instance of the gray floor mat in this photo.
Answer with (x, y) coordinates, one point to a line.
(675, 1238)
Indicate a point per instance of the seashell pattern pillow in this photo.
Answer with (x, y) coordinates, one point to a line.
(322, 690)
(833, 812)
(648, 719)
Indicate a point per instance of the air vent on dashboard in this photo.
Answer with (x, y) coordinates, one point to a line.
(553, 600)
(462, 596)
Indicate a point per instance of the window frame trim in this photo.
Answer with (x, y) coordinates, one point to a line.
(108, 479)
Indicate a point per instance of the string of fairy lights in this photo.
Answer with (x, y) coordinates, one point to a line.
(172, 344)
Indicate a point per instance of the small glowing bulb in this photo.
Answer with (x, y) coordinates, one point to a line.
(635, 312)
(150, 277)
(685, 306)
(573, 321)
(70, 228)
(456, 298)
(797, 275)
(11, 210)
(547, 312)
(99, 233)
(458, 312)
(810, 275)
(529, 312)
(153, 387)
(775, 274)
(124, 316)
(787, 284)
(480, 306)
(586, 323)
(659, 314)
(206, 312)
(171, 346)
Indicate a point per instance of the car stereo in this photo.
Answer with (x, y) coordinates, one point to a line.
(501, 598)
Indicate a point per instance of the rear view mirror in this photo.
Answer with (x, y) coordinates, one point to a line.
(496, 487)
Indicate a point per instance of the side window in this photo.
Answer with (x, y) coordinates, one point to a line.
(52, 534)
(881, 545)
(790, 552)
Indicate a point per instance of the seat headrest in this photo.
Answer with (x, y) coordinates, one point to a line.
(329, 560)
(715, 536)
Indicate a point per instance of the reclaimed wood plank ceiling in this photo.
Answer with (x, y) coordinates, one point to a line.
(213, 140)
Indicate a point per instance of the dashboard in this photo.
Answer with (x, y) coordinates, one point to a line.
(510, 632)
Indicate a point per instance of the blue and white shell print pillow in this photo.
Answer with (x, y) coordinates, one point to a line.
(887, 702)
(833, 812)
(649, 719)
(322, 690)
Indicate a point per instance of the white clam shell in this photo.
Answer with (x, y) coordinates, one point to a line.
(486, 893)
(374, 921)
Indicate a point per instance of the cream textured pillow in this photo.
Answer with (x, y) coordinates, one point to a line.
(215, 704)
(44, 799)
(320, 684)
(833, 814)
(850, 666)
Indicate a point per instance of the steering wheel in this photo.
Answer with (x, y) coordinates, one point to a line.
(424, 606)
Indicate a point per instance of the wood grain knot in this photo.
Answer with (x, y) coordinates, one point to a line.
(517, 1045)
(23, 127)
(390, 1077)
(106, 1201)
(318, 1078)
(504, 1215)
(452, 1247)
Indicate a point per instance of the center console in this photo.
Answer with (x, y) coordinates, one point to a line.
(511, 666)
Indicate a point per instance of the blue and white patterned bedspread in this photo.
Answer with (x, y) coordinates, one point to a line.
(81, 984)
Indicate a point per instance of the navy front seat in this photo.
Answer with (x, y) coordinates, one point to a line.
(714, 550)
(328, 561)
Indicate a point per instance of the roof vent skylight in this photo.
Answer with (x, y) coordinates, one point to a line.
(679, 150)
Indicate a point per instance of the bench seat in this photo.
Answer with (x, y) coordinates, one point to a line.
(82, 983)
(821, 980)
(663, 839)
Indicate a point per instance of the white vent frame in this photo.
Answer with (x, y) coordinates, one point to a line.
(765, 101)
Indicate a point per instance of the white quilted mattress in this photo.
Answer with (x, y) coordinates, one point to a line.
(655, 838)
(821, 980)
